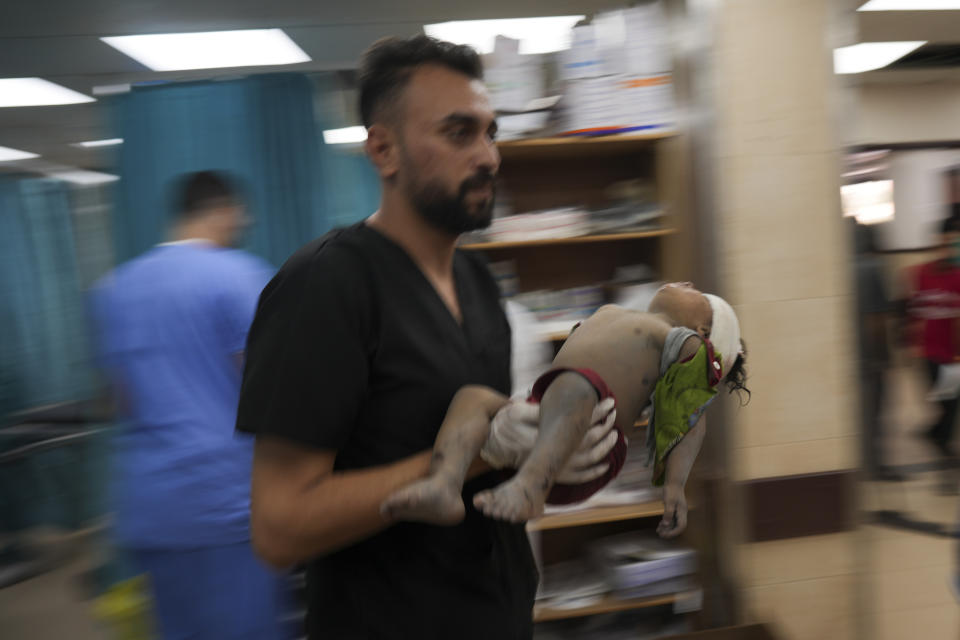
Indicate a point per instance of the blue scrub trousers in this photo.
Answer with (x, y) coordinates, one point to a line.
(213, 593)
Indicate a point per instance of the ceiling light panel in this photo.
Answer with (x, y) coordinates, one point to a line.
(869, 56)
(347, 135)
(911, 5)
(7, 154)
(91, 144)
(37, 92)
(210, 49)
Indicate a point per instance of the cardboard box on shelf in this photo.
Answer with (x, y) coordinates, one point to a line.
(619, 103)
(513, 80)
(633, 41)
(583, 59)
(646, 101)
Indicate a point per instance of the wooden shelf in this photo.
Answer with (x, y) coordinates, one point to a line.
(579, 145)
(610, 237)
(608, 604)
(596, 515)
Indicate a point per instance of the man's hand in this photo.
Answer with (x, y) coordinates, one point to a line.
(513, 433)
(674, 512)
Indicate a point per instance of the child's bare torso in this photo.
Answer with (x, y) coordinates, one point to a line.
(623, 346)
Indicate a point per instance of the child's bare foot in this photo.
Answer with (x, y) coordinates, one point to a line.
(516, 500)
(433, 500)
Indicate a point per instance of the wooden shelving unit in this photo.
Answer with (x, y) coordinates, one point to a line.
(612, 237)
(608, 604)
(596, 515)
(545, 173)
(579, 145)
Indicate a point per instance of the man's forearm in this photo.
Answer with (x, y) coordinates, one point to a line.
(331, 512)
(681, 458)
(342, 508)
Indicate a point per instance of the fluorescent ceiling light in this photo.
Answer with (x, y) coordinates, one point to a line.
(83, 177)
(868, 202)
(910, 5)
(89, 144)
(536, 35)
(347, 135)
(8, 155)
(36, 92)
(210, 49)
(868, 56)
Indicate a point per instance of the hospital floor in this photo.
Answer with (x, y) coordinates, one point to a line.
(50, 606)
(887, 581)
(913, 563)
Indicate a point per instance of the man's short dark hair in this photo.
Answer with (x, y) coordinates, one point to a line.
(387, 65)
(195, 193)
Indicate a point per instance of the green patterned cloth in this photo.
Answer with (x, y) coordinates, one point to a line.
(679, 399)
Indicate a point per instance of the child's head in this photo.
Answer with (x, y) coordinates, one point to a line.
(684, 306)
(710, 316)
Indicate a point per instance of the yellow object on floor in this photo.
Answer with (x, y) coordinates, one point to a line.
(126, 610)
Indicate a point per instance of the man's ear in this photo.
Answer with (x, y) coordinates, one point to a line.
(382, 149)
(704, 331)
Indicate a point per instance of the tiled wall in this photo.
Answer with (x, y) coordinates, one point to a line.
(782, 245)
(784, 265)
(806, 588)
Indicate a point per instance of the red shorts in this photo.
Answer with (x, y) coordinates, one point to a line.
(568, 493)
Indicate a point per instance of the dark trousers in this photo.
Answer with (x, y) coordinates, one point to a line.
(872, 390)
(942, 430)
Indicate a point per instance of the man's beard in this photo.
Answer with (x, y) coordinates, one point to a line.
(451, 212)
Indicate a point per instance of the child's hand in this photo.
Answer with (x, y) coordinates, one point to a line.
(674, 512)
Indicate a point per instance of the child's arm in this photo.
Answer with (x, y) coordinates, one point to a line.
(679, 463)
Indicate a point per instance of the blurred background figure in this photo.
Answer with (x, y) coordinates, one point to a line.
(934, 307)
(874, 310)
(171, 327)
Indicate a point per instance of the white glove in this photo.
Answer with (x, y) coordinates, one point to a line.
(513, 432)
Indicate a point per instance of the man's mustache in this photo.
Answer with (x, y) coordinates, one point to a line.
(477, 181)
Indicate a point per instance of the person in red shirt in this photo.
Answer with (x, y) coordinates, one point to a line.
(935, 306)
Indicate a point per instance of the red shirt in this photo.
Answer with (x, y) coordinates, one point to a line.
(936, 302)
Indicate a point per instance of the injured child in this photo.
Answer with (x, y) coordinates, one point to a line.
(673, 357)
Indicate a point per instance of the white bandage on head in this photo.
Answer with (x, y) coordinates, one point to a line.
(725, 331)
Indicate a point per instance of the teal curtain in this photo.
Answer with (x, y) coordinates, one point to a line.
(350, 186)
(45, 357)
(262, 129)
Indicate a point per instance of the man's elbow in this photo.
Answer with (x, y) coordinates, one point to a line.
(268, 544)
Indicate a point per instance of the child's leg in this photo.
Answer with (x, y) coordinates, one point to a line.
(436, 499)
(565, 412)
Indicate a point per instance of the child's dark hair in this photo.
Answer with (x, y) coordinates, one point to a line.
(736, 378)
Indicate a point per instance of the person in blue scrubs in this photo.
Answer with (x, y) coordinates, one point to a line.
(171, 330)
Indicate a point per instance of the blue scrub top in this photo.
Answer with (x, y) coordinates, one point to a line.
(170, 325)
